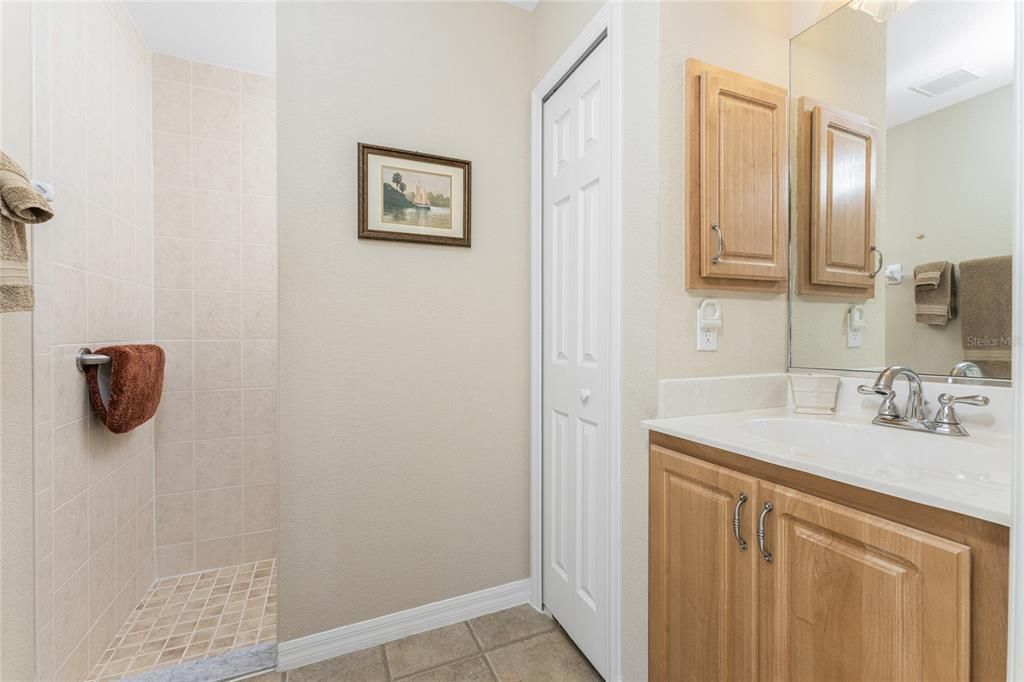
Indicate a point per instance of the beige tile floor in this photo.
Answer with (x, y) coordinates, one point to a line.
(515, 645)
(194, 616)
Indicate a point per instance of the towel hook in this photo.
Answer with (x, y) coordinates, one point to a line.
(86, 358)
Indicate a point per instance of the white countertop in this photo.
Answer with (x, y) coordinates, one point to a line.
(968, 475)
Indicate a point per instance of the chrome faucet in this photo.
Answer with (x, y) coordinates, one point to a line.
(946, 422)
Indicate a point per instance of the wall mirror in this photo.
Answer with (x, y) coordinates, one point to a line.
(902, 189)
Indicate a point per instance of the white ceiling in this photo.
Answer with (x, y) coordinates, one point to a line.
(240, 35)
(934, 36)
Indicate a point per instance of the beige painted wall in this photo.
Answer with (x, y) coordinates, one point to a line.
(404, 394)
(753, 337)
(92, 273)
(950, 178)
(554, 25)
(17, 610)
(215, 273)
(841, 61)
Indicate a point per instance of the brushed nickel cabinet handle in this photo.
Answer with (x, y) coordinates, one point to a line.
(721, 244)
(736, 520)
(881, 261)
(768, 506)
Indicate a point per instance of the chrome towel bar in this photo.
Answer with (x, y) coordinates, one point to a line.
(86, 358)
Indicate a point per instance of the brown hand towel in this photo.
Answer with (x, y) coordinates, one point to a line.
(136, 382)
(19, 204)
(934, 293)
(986, 290)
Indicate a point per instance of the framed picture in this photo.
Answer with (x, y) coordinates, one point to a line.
(412, 197)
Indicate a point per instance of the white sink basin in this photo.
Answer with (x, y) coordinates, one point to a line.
(882, 452)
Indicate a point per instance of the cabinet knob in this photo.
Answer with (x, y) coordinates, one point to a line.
(584, 395)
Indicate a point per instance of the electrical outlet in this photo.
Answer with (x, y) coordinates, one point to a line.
(707, 339)
(854, 338)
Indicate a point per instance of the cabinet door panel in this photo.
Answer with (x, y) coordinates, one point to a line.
(850, 596)
(843, 201)
(702, 584)
(743, 160)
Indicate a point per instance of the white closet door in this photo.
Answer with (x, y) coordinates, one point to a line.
(576, 299)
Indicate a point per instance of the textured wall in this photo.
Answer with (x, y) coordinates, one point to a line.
(215, 272)
(404, 367)
(92, 270)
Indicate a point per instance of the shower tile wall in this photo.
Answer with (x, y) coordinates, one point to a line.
(215, 274)
(92, 270)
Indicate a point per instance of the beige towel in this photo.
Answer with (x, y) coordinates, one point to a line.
(986, 292)
(934, 293)
(19, 204)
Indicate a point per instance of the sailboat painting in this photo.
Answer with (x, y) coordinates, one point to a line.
(414, 197)
(411, 196)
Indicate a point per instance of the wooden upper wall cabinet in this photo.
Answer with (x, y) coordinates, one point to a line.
(736, 184)
(837, 240)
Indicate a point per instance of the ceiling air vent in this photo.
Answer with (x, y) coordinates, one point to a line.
(946, 81)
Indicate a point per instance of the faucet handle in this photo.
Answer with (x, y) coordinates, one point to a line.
(947, 421)
(888, 407)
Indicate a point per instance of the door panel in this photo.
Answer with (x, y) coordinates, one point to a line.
(851, 596)
(703, 623)
(576, 300)
(743, 178)
(842, 210)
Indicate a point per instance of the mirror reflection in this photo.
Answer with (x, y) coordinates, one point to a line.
(902, 190)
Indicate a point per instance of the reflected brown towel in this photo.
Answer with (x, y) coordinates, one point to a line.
(136, 382)
(19, 204)
(986, 292)
(934, 293)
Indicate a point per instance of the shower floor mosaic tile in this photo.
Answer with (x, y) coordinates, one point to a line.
(194, 616)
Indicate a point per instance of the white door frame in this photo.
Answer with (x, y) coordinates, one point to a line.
(1015, 648)
(606, 22)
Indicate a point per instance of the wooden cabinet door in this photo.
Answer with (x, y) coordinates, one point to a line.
(850, 596)
(842, 200)
(703, 625)
(744, 212)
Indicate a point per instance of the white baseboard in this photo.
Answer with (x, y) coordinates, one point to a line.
(348, 638)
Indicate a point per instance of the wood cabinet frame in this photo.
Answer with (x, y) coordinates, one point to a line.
(988, 542)
(806, 203)
(695, 186)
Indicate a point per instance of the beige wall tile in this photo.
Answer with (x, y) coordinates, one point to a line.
(259, 219)
(259, 315)
(259, 170)
(70, 537)
(44, 590)
(127, 482)
(174, 418)
(42, 449)
(218, 364)
(171, 69)
(218, 265)
(69, 311)
(175, 518)
(215, 114)
(218, 513)
(71, 618)
(42, 380)
(216, 215)
(259, 411)
(217, 165)
(259, 363)
(219, 552)
(172, 159)
(70, 461)
(259, 267)
(258, 86)
(175, 559)
(69, 158)
(102, 579)
(100, 174)
(69, 239)
(216, 77)
(218, 315)
(173, 313)
(70, 395)
(177, 365)
(100, 240)
(127, 548)
(259, 122)
(100, 309)
(218, 414)
(175, 468)
(171, 105)
(259, 459)
(44, 522)
(102, 511)
(172, 260)
(259, 507)
(172, 211)
(256, 546)
(218, 463)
